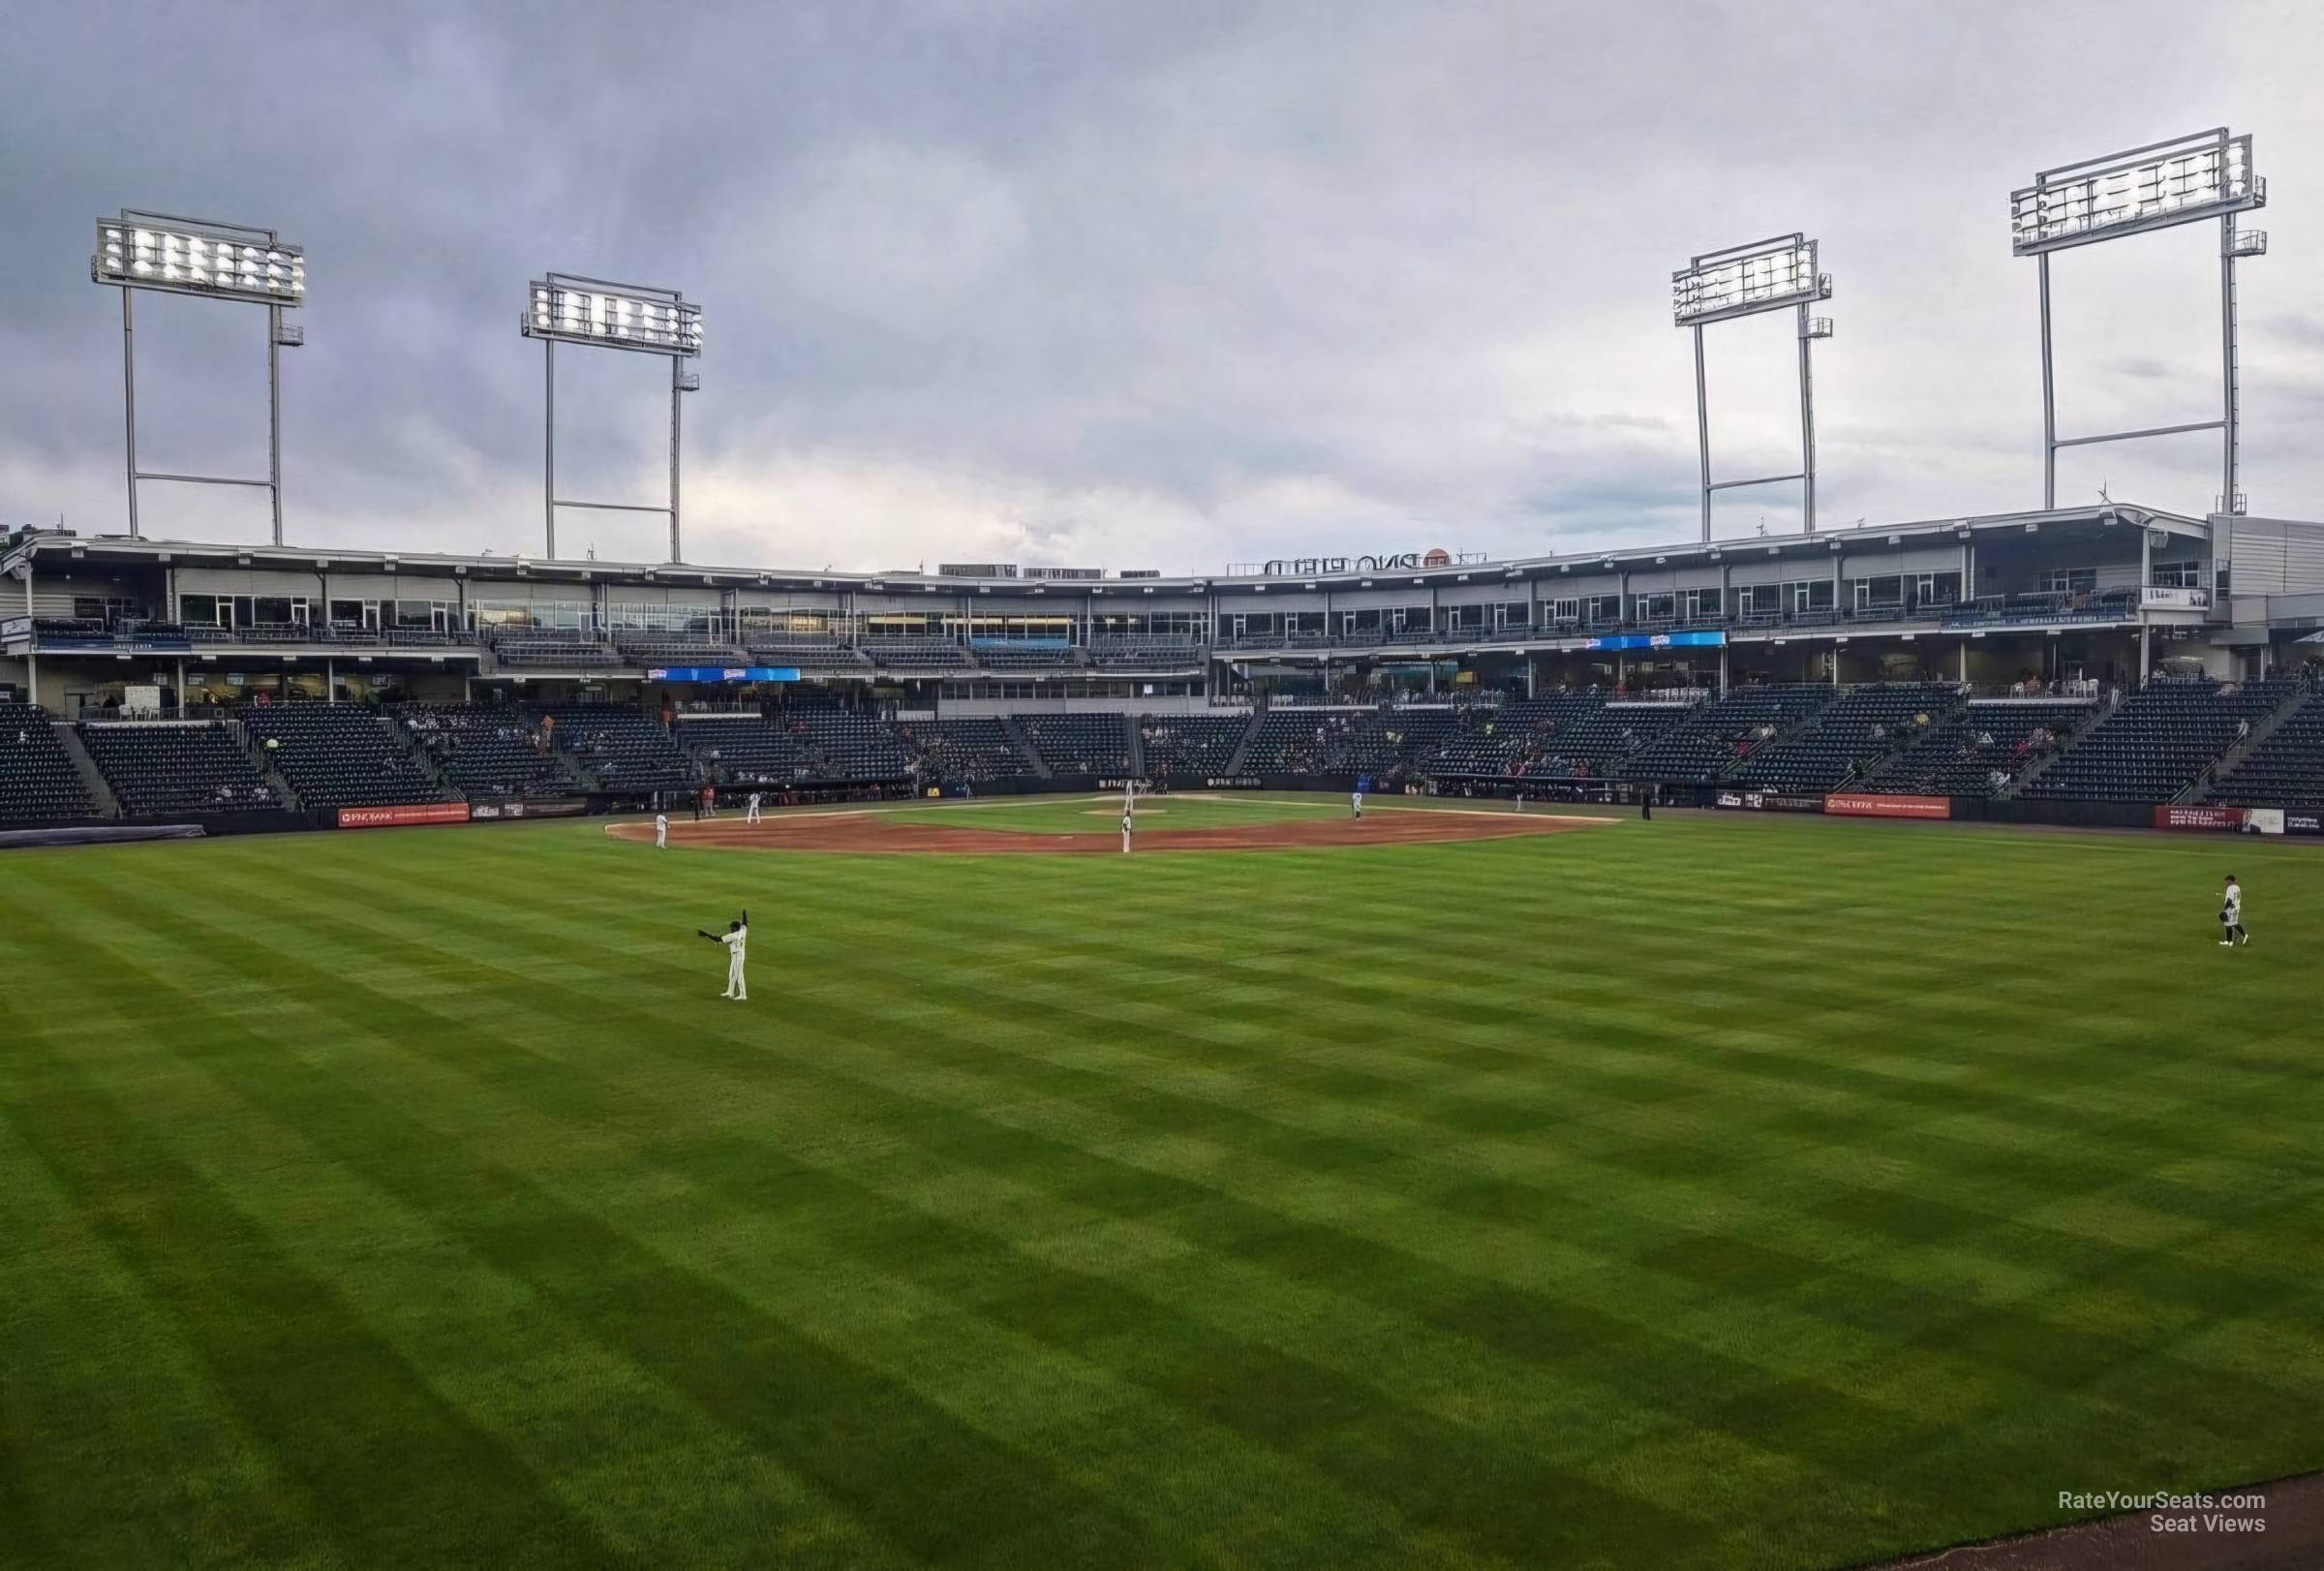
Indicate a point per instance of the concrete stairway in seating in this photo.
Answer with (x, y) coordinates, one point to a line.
(92, 778)
(1023, 743)
(1249, 731)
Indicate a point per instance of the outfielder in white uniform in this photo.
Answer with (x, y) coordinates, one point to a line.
(750, 812)
(737, 934)
(1356, 804)
(1127, 820)
(662, 831)
(2231, 914)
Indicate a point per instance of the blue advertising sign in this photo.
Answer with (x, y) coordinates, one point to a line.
(1658, 640)
(721, 673)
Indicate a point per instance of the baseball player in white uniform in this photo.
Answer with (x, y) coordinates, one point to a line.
(1356, 804)
(750, 812)
(737, 934)
(1128, 818)
(662, 831)
(2231, 915)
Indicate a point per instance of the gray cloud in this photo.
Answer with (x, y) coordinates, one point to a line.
(1145, 285)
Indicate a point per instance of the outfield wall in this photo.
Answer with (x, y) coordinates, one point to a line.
(2194, 818)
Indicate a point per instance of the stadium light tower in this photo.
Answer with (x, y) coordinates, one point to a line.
(569, 309)
(1742, 281)
(218, 261)
(2205, 174)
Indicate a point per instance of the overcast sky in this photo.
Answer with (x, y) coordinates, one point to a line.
(1142, 284)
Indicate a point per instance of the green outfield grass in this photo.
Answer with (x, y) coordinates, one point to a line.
(1700, 1194)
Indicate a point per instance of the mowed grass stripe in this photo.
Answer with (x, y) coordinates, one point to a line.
(571, 1260)
(267, 1327)
(1190, 1350)
(1700, 997)
(483, 1183)
(416, 1028)
(179, 1462)
(596, 1413)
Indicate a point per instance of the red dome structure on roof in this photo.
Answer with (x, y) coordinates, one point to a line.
(1437, 558)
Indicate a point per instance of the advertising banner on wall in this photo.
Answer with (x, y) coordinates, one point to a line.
(554, 807)
(391, 817)
(2198, 816)
(1770, 802)
(1858, 805)
(1656, 640)
(723, 674)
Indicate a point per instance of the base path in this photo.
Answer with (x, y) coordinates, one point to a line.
(888, 835)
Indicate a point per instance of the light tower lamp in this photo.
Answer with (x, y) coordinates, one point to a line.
(1775, 274)
(565, 308)
(220, 261)
(2203, 176)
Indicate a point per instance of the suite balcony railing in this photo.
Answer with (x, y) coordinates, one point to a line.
(852, 647)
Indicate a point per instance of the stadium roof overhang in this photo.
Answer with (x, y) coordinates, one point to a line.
(55, 550)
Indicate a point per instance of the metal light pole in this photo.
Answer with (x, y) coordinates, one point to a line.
(1742, 281)
(568, 308)
(141, 250)
(2186, 179)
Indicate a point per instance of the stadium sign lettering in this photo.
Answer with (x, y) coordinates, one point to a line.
(723, 674)
(1383, 562)
(1656, 640)
(1851, 805)
(550, 807)
(1771, 802)
(385, 818)
(2198, 817)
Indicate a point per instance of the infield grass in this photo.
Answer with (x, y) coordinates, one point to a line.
(1700, 1194)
